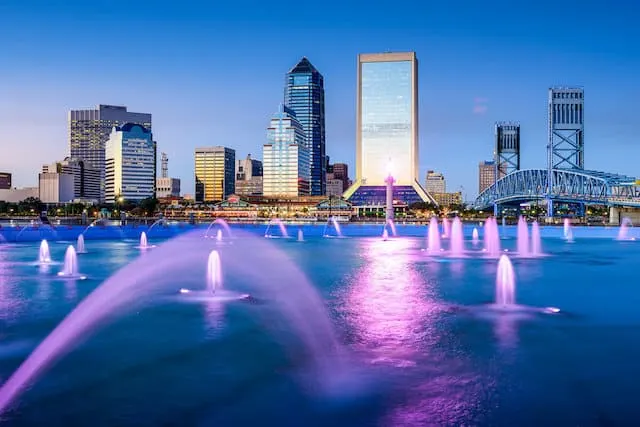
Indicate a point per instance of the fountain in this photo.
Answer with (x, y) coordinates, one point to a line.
(457, 238)
(446, 228)
(568, 233)
(491, 237)
(283, 230)
(290, 294)
(385, 235)
(144, 244)
(301, 236)
(223, 226)
(505, 283)
(623, 232)
(333, 221)
(392, 226)
(70, 268)
(536, 241)
(433, 244)
(474, 236)
(523, 237)
(214, 272)
(219, 235)
(44, 257)
(160, 221)
(80, 245)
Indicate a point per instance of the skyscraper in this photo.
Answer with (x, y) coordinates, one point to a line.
(435, 183)
(89, 131)
(87, 183)
(387, 129)
(486, 175)
(130, 165)
(566, 128)
(249, 176)
(341, 172)
(215, 173)
(507, 149)
(304, 94)
(285, 157)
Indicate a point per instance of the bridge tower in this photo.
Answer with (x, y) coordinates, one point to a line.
(565, 148)
(507, 148)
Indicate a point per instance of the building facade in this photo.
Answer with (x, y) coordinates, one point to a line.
(130, 165)
(486, 175)
(341, 172)
(304, 94)
(249, 177)
(507, 148)
(165, 185)
(448, 199)
(566, 128)
(55, 187)
(5, 181)
(435, 183)
(285, 157)
(215, 173)
(334, 186)
(89, 131)
(15, 195)
(387, 129)
(87, 183)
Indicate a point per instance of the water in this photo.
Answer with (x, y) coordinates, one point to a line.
(214, 272)
(505, 283)
(568, 232)
(536, 240)
(301, 235)
(223, 226)
(80, 245)
(283, 229)
(457, 238)
(474, 236)
(423, 332)
(623, 232)
(70, 268)
(143, 241)
(44, 255)
(491, 237)
(385, 234)
(392, 226)
(523, 237)
(332, 223)
(433, 244)
(219, 235)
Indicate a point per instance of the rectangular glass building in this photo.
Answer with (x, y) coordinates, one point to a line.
(215, 173)
(387, 129)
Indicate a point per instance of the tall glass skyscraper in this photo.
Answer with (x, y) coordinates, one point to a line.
(215, 173)
(89, 131)
(285, 157)
(387, 129)
(304, 94)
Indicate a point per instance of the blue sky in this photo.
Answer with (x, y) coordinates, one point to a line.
(212, 73)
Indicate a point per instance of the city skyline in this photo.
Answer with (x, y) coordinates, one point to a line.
(464, 86)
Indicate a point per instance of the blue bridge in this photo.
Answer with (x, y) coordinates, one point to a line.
(562, 186)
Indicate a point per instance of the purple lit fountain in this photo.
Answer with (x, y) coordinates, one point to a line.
(300, 236)
(70, 268)
(457, 238)
(214, 290)
(80, 245)
(523, 237)
(446, 228)
(491, 237)
(385, 234)
(44, 257)
(623, 232)
(144, 244)
(433, 242)
(474, 236)
(505, 284)
(536, 241)
(283, 229)
(332, 223)
(568, 233)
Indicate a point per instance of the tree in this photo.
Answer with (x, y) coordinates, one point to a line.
(149, 205)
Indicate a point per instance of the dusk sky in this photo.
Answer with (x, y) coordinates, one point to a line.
(212, 73)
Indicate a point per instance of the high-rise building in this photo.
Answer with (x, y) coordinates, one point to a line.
(341, 172)
(285, 157)
(215, 173)
(89, 131)
(566, 128)
(55, 187)
(87, 183)
(165, 185)
(304, 94)
(5, 181)
(507, 148)
(435, 183)
(249, 177)
(130, 165)
(486, 175)
(334, 185)
(387, 129)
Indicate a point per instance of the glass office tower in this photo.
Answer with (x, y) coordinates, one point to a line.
(387, 129)
(215, 169)
(304, 94)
